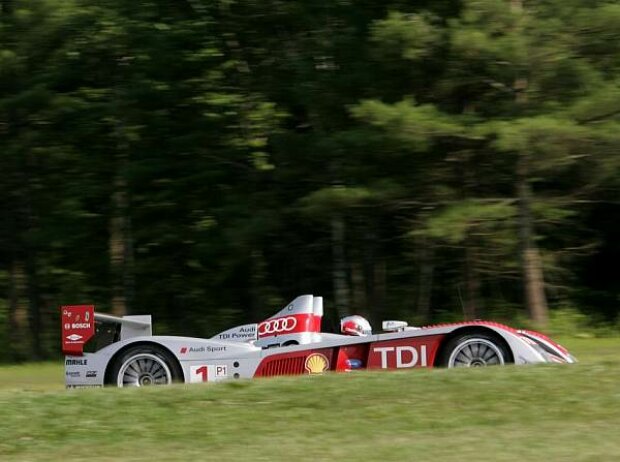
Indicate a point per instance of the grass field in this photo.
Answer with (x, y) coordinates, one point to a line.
(540, 413)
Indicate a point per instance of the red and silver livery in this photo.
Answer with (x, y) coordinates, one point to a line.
(106, 350)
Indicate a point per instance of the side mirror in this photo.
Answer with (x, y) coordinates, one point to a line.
(393, 326)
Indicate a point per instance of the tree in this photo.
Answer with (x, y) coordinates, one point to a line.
(493, 98)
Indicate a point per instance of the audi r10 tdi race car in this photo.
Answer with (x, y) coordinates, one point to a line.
(106, 350)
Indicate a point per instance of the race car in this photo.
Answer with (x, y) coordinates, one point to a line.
(121, 351)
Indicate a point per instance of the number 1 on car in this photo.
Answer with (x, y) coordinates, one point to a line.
(199, 374)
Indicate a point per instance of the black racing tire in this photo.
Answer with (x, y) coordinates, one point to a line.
(144, 365)
(475, 349)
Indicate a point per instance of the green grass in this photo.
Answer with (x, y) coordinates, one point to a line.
(33, 376)
(537, 413)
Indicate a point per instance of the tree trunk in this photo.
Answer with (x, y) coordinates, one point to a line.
(30, 223)
(258, 285)
(531, 264)
(24, 224)
(120, 247)
(426, 252)
(34, 306)
(20, 347)
(358, 288)
(374, 276)
(339, 268)
(121, 241)
(6, 7)
(472, 282)
(380, 287)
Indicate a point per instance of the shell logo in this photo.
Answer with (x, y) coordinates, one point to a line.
(316, 363)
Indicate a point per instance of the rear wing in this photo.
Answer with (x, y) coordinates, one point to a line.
(80, 323)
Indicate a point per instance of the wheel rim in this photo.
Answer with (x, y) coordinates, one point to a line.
(476, 352)
(144, 370)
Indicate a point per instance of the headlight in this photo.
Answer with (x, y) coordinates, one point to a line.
(550, 354)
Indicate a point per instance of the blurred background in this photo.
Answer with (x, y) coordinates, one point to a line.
(206, 161)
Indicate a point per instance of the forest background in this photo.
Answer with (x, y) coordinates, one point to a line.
(206, 161)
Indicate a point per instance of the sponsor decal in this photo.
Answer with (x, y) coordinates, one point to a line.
(208, 373)
(198, 374)
(243, 333)
(91, 374)
(72, 374)
(211, 349)
(353, 363)
(277, 326)
(76, 324)
(85, 386)
(78, 327)
(76, 362)
(402, 356)
(203, 349)
(316, 363)
(221, 371)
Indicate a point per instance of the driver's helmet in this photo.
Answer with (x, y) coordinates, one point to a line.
(355, 325)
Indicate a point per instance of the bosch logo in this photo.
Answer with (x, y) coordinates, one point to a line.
(277, 326)
(77, 325)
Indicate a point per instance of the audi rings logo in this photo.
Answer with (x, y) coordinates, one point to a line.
(277, 326)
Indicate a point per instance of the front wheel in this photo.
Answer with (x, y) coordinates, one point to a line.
(475, 350)
(144, 365)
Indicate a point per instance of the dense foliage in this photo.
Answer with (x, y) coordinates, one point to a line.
(208, 160)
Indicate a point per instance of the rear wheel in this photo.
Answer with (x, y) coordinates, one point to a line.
(475, 350)
(144, 365)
